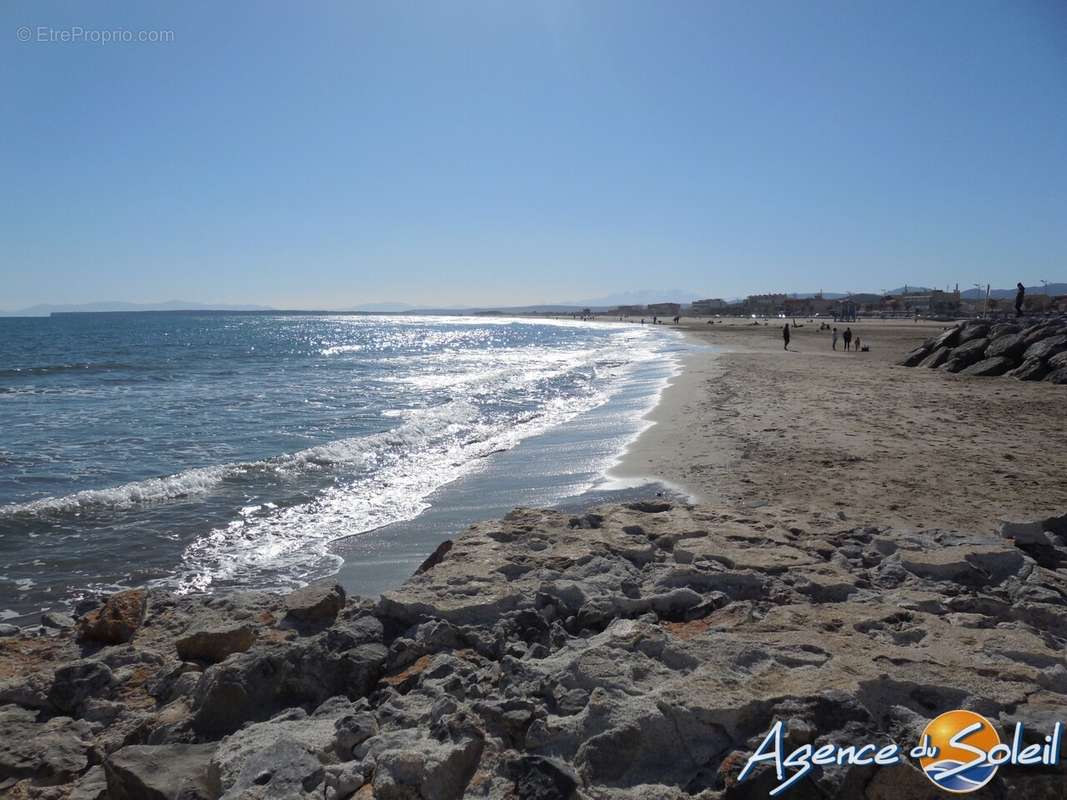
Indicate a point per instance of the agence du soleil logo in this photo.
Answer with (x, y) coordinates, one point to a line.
(960, 752)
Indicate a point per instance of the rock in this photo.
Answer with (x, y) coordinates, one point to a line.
(973, 330)
(90, 786)
(936, 358)
(1003, 329)
(966, 354)
(544, 778)
(1010, 346)
(1039, 331)
(283, 768)
(215, 644)
(257, 684)
(76, 682)
(1058, 361)
(53, 619)
(1044, 348)
(160, 772)
(1057, 376)
(913, 358)
(51, 753)
(7, 629)
(408, 765)
(989, 367)
(435, 557)
(949, 338)
(28, 691)
(294, 741)
(1033, 369)
(318, 603)
(117, 620)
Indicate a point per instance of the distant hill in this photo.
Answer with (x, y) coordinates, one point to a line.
(1054, 289)
(43, 310)
(639, 297)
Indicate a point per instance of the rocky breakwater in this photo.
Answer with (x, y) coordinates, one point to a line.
(1031, 352)
(638, 651)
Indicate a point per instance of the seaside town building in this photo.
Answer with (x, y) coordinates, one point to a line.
(708, 307)
(664, 309)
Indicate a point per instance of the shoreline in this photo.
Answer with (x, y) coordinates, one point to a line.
(817, 432)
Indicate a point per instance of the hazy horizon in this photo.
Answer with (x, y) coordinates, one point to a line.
(479, 154)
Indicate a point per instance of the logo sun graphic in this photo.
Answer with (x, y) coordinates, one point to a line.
(961, 741)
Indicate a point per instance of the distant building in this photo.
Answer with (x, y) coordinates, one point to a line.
(807, 306)
(664, 309)
(935, 303)
(629, 311)
(765, 304)
(708, 307)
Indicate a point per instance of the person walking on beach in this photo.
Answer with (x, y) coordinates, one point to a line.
(1019, 295)
(785, 335)
(857, 344)
(834, 338)
(847, 336)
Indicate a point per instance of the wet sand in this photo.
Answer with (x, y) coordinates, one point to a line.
(843, 435)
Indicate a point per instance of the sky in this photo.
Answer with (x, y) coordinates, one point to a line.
(332, 154)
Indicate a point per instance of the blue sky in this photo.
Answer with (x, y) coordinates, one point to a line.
(336, 153)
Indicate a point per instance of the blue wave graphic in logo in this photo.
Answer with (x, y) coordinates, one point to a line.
(967, 780)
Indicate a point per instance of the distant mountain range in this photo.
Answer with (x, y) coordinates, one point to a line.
(1054, 289)
(631, 298)
(44, 309)
(639, 297)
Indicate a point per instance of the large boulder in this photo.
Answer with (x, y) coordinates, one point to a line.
(989, 367)
(949, 338)
(117, 620)
(316, 604)
(257, 684)
(286, 752)
(1057, 376)
(937, 358)
(1011, 346)
(215, 643)
(160, 772)
(1045, 348)
(973, 330)
(1003, 329)
(53, 752)
(1058, 361)
(1032, 369)
(966, 354)
(76, 682)
(913, 358)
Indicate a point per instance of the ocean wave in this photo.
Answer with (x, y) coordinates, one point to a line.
(81, 368)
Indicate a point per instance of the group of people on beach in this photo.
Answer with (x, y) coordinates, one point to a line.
(847, 337)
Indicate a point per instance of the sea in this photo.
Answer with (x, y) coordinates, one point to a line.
(217, 451)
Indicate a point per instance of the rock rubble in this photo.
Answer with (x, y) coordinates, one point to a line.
(1035, 352)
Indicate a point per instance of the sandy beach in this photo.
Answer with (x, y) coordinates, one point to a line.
(833, 435)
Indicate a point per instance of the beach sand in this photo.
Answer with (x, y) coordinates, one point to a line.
(835, 435)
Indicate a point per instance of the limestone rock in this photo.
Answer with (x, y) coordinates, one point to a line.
(1032, 369)
(76, 682)
(936, 358)
(1010, 346)
(161, 772)
(966, 354)
(117, 620)
(215, 643)
(53, 752)
(318, 603)
(1057, 376)
(989, 367)
(1045, 348)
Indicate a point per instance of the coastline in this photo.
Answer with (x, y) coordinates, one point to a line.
(637, 649)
